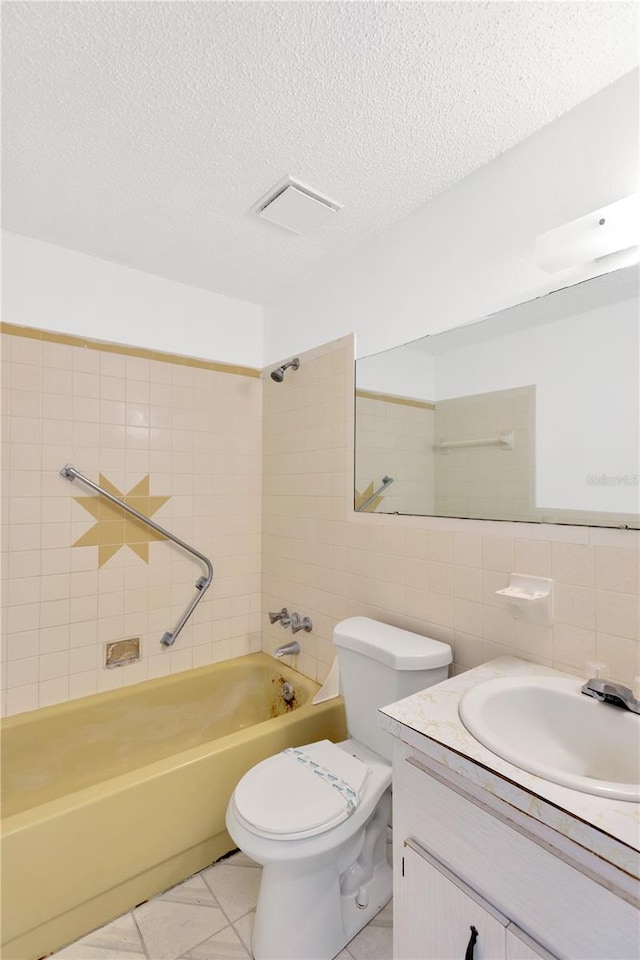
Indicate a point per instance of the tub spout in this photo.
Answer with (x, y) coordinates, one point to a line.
(290, 649)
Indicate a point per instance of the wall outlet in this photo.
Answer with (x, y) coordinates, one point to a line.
(120, 652)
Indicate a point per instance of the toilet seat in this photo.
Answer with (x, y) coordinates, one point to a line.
(282, 799)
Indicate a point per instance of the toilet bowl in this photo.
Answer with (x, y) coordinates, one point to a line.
(316, 817)
(313, 874)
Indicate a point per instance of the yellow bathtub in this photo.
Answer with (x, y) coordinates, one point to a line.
(110, 799)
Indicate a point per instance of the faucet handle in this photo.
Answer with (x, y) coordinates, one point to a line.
(283, 617)
(300, 624)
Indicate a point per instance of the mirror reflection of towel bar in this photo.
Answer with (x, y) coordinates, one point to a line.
(504, 441)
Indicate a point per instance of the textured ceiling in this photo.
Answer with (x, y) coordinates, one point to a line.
(142, 132)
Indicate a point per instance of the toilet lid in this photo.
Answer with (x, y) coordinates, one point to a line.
(284, 798)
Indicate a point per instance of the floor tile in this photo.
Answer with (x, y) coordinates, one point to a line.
(194, 891)
(240, 859)
(244, 928)
(225, 945)
(384, 918)
(171, 929)
(118, 940)
(191, 922)
(372, 943)
(235, 888)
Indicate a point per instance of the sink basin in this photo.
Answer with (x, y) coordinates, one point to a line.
(546, 726)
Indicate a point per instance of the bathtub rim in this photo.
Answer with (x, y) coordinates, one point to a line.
(123, 781)
(167, 680)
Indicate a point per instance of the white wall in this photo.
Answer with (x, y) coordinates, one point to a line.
(403, 372)
(53, 288)
(470, 251)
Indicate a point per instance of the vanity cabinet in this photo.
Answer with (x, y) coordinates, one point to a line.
(463, 857)
(521, 947)
(440, 918)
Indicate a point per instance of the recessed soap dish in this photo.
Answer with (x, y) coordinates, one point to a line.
(528, 598)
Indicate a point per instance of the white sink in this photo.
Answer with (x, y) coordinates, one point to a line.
(546, 726)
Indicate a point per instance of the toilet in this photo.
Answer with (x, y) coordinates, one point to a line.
(316, 816)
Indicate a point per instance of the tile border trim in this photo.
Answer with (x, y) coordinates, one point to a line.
(49, 336)
(391, 398)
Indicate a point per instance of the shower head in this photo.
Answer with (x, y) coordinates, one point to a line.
(278, 373)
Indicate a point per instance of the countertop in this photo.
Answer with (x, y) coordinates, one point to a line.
(429, 722)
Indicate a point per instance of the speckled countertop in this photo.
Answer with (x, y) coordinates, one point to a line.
(429, 722)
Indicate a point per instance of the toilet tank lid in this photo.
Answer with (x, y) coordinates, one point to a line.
(397, 648)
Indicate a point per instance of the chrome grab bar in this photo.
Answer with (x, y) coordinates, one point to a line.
(69, 472)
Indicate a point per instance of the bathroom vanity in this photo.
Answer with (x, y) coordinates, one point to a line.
(493, 862)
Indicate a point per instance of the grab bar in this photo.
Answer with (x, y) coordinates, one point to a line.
(69, 472)
(386, 482)
(504, 441)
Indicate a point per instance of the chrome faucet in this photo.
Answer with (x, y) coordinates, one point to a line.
(290, 649)
(282, 616)
(613, 693)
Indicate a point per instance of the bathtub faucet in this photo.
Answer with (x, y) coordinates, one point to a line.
(282, 616)
(298, 623)
(290, 649)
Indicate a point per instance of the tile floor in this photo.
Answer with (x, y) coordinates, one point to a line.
(208, 917)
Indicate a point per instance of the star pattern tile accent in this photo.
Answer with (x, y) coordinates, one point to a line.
(115, 528)
(361, 498)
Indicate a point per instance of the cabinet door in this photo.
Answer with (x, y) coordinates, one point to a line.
(436, 913)
(522, 947)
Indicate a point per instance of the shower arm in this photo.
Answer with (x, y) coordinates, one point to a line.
(386, 482)
(69, 472)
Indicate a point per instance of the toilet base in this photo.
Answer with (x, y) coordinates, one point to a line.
(313, 912)
(321, 920)
(380, 890)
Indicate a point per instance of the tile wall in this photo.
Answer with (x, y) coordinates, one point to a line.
(434, 575)
(395, 438)
(199, 434)
(195, 433)
(487, 482)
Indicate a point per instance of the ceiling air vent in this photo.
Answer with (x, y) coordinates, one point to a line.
(296, 206)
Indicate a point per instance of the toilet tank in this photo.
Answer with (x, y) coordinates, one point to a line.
(380, 664)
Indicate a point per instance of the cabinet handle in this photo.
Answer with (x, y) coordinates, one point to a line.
(472, 942)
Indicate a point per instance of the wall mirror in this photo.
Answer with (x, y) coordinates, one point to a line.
(531, 414)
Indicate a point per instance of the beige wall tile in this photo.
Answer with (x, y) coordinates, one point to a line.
(468, 584)
(617, 613)
(498, 554)
(573, 563)
(20, 699)
(95, 408)
(621, 655)
(468, 549)
(499, 626)
(440, 546)
(506, 548)
(469, 651)
(617, 570)
(574, 605)
(533, 640)
(573, 647)
(437, 576)
(532, 557)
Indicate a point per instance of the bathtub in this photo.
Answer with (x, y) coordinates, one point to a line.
(110, 799)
